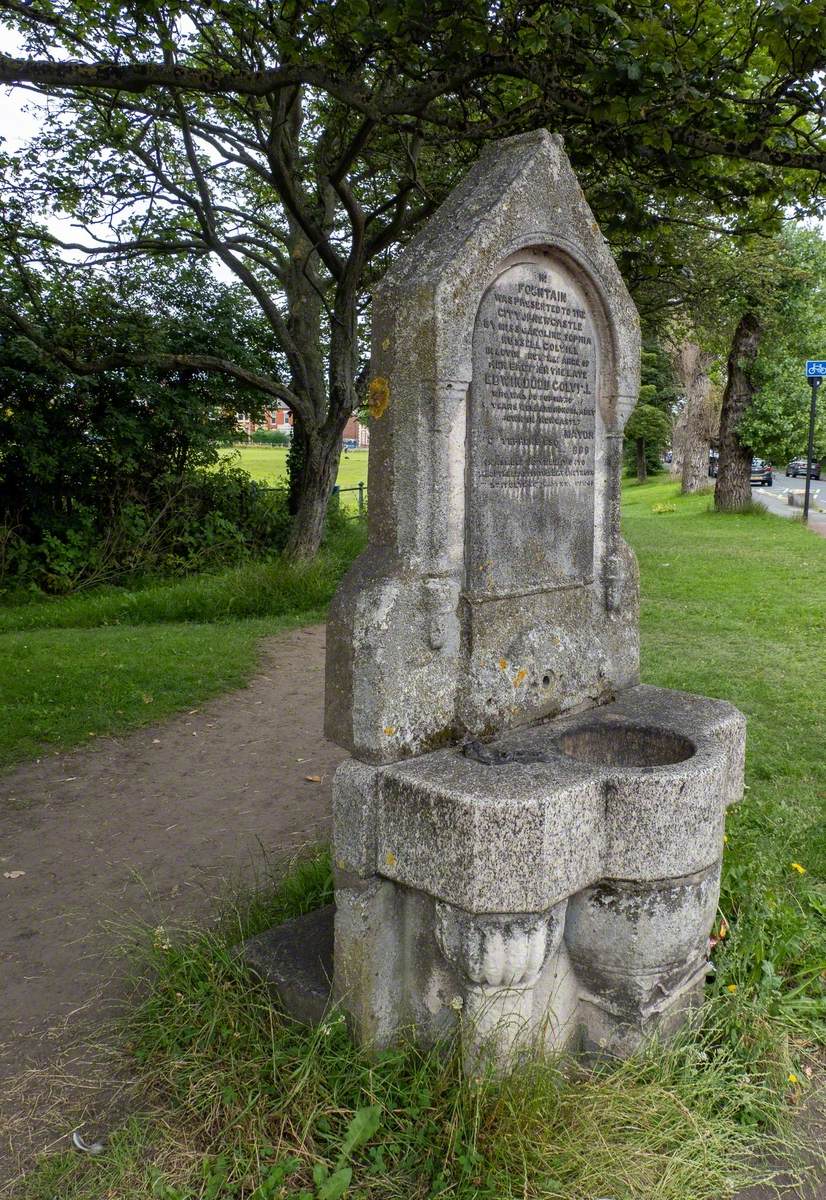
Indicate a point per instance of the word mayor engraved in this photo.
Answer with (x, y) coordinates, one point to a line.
(538, 386)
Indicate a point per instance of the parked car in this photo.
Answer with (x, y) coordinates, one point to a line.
(798, 467)
(761, 473)
(350, 444)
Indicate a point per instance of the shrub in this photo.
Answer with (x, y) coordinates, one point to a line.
(271, 437)
(179, 525)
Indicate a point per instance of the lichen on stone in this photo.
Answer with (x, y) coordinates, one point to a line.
(378, 396)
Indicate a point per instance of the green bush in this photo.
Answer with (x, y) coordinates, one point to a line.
(179, 525)
(271, 437)
(106, 474)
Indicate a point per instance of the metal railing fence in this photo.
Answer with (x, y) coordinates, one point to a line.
(338, 492)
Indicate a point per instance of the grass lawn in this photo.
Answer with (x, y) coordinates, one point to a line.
(269, 464)
(110, 660)
(240, 1105)
(61, 687)
(735, 607)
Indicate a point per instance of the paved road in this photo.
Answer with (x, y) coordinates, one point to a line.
(775, 499)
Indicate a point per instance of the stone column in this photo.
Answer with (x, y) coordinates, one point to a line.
(639, 952)
(499, 957)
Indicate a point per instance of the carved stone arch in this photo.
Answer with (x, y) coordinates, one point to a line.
(578, 281)
(408, 589)
(545, 240)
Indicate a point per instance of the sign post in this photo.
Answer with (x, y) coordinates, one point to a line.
(815, 373)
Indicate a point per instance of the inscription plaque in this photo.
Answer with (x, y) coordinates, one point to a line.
(531, 433)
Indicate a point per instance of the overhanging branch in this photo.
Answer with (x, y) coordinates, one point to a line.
(169, 362)
(401, 102)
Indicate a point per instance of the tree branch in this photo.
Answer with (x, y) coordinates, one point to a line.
(413, 101)
(192, 362)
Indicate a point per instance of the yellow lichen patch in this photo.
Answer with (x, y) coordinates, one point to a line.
(378, 396)
(386, 344)
(390, 859)
(390, 730)
(503, 664)
(520, 678)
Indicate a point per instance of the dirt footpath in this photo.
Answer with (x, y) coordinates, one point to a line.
(149, 826)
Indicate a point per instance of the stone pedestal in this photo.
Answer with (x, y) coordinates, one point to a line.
(561, 889)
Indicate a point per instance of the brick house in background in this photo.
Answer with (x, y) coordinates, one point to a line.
(354, 431)
(280, 419)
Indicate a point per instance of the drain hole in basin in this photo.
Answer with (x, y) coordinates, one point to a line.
(625, 745)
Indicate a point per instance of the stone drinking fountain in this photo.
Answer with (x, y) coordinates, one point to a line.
(526, 840)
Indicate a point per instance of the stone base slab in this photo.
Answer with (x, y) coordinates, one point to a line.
(295, 959)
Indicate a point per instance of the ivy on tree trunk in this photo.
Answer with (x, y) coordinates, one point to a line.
(642, 468)
(695, 425)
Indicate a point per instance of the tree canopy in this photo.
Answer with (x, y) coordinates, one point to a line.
(299, 144)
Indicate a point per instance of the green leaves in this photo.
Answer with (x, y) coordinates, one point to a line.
(332, 1185)
(362, 1127)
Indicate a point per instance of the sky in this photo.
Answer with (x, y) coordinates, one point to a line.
(16, 126)
(19, 121)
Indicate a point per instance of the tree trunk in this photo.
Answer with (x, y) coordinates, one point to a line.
(642, 466)
(733, 490)
(296, 465)
(305, 300)
(330, 395)
(694, 427)
(314, 491)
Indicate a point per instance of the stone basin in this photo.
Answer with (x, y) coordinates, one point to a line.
(561, 878)
(625, 745)
(634, 790)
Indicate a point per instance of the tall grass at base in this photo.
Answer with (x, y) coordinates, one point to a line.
(273, 588)
(242, 1103)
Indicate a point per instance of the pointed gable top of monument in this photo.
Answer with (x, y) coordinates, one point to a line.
(522, 191)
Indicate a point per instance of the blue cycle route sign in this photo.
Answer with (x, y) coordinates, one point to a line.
(816, 368)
